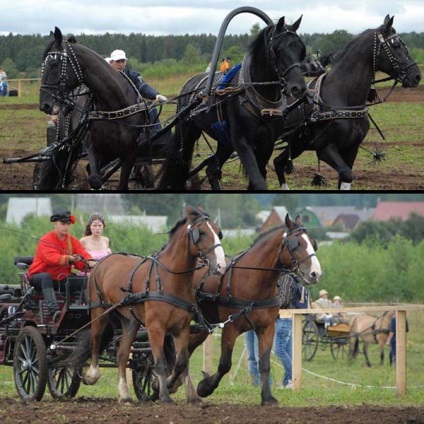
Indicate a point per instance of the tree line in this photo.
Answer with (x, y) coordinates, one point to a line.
(20, 55)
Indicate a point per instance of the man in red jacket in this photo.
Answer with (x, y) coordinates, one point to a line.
(56, 254)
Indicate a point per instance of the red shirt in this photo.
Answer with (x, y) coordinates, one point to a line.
(52, 254)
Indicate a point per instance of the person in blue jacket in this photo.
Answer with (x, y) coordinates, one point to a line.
(119, 61)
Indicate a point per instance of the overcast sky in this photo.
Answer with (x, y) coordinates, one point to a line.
(161, 17)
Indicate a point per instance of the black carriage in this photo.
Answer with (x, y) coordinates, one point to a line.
(319, 335)
(34, 345)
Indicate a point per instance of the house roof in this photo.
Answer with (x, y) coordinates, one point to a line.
(397, 210)
(348, 220)
(19, 207)
(327, 214)
(281, 211)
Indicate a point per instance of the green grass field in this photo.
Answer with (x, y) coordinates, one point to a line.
(325, 382)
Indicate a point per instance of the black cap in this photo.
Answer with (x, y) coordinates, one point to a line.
(63, 216)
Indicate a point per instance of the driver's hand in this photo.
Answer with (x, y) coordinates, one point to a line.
(91, 264)
(161, 99)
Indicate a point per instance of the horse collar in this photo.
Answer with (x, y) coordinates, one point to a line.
(256, 104)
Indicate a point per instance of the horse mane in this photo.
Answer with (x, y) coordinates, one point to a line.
(347, 49)
(266, 233)
(256, 46)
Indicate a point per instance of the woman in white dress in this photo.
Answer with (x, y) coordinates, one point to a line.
(94, 242)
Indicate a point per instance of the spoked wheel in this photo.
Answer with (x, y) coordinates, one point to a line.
(30, 365)
(64, 382)
(310, 340)
(143, 377)
(339, 348)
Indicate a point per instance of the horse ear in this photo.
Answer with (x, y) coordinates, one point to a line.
(296, 25)
(191, 213)
(281, 25)
(288, 221)
(58, 36)
(298, 221)
(388, 23)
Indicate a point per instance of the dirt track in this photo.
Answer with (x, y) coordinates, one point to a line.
(19, 176)
(109, 411)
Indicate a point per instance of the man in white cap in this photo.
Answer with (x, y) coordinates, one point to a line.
(339, 316)
(323, 302)
(119, 61)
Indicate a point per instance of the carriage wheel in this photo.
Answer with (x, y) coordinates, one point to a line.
(310, 340)
(339, 348)
(30, 364)
(64, 382)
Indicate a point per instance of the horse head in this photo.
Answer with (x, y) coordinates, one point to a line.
(204, 239)
(286, 52)
(393, 56)
(60, 71)
(299, 249)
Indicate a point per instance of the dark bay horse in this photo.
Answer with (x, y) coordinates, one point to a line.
(116, 128)
(156, 291)
(371, 330)
(250, 295)
(337, 122)
(244, 114)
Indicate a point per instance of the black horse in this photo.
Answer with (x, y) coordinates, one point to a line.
(337, 121)
(245, 109)
(117, 124)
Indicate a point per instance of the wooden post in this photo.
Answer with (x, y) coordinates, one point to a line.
(208, 355)
(297, 352)
(401, 376)
(19, 88)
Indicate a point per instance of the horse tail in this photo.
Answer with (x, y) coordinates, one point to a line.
(82, 350)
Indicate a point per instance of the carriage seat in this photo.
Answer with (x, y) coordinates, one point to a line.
(23, 263)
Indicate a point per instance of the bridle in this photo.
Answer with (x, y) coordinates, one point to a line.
(384, 43)
(271, 53)
(193, 235)
(67, 55)
(291, 244)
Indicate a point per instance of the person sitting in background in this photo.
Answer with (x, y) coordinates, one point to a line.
(340, 316)
(94, 242)
(323, 302)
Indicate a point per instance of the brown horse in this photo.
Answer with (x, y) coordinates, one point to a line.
(250, 295)
(157, 292)
(370, 329)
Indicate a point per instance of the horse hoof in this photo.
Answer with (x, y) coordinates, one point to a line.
(204, 389)
(95, 182)
(126, 401)
(194, 400)
(269, 402)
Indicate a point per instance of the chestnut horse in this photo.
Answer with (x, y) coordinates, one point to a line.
(250, 295)
(370, 329)
(157, 292)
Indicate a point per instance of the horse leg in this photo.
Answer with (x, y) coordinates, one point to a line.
(266, 339)
(181, 367)
(280, 163)
(129, 332)
(195, 341)
(156, 337)
(98, 325)
(94, 178)
(126, 168)
(331, 155)
(207, 386)
(367, 359)
(213, 170)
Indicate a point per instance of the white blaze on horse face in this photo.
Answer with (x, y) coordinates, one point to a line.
(315, 273)
(221, 264)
